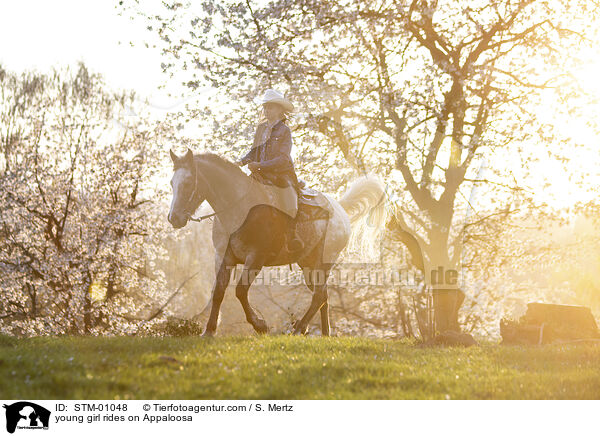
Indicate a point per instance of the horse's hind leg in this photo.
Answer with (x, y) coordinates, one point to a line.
(325, 330)
(252, 267)
(318, 279)
(325, 318)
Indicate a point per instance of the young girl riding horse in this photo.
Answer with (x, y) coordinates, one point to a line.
(270, 159)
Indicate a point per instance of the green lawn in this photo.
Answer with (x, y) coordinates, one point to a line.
(282, 367)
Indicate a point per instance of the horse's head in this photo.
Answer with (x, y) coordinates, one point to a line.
(187, 189)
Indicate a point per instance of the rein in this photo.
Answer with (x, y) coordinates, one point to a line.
(203, 217)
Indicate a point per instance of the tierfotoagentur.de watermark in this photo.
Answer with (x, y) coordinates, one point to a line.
(351, 275)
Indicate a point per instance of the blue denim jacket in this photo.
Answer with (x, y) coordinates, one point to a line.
(274, 156)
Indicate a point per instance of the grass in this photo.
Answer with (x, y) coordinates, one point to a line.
(282, 367)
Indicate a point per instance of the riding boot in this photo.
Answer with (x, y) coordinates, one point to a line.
(295, 244)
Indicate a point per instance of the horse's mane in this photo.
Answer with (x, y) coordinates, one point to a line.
(215, 159)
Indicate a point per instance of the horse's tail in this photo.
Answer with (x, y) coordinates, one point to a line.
(365, 204)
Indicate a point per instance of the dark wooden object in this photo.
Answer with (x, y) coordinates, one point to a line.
(548, 323)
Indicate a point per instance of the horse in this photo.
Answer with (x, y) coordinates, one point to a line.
(249, 230)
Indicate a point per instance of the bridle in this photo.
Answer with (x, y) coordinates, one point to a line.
(189, 201)
(203, 217)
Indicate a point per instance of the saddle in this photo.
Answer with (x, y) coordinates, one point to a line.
(312, 204)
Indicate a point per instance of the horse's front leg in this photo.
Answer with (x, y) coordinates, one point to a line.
(221, 282)
(252, 268)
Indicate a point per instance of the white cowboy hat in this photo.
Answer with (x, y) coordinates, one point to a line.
(273, 96)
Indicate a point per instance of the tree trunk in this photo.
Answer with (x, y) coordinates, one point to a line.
(447, 297)
(87, 306)
(442, 277)
(446, 303)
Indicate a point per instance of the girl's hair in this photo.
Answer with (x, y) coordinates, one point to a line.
(262, 118)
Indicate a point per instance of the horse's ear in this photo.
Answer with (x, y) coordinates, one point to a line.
(189, 156)
(174, 157)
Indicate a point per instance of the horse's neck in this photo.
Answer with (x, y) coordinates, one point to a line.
(226, 185)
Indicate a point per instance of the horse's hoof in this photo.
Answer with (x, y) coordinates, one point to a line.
(261, 327)
(299, 331)
(208, 334)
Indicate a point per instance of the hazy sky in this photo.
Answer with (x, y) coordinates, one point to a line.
(41, 34)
